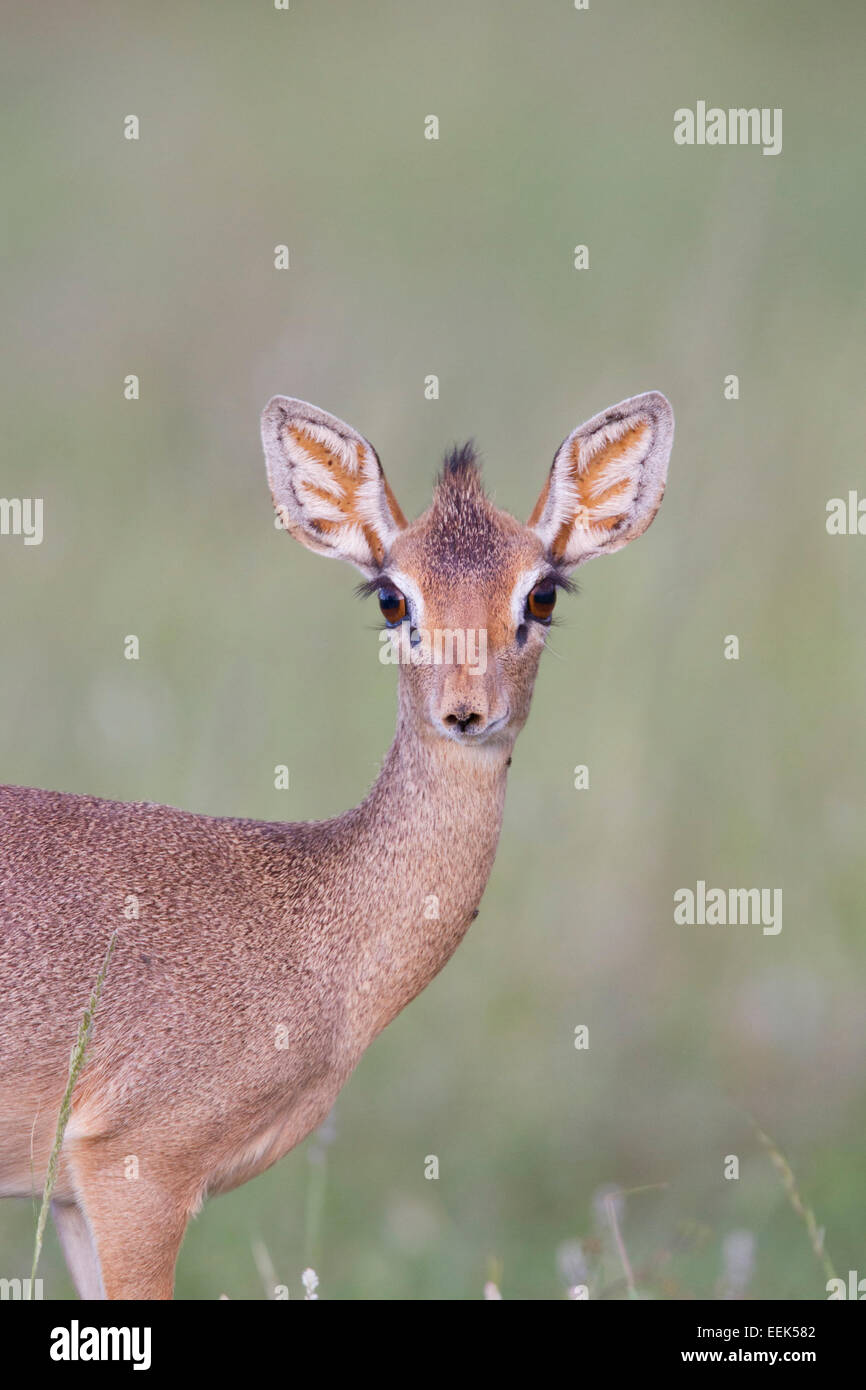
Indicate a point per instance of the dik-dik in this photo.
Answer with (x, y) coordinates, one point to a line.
(266, 957)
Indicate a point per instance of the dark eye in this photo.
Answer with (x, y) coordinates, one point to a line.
(392, 604)
(541, 602)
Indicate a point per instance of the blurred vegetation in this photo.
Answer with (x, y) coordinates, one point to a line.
(411, 257)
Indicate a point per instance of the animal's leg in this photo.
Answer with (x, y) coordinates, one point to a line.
(79, 1248)
(137, 1223)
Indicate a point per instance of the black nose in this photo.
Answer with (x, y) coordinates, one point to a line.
(462, 720)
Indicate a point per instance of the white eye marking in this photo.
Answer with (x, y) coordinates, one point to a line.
(411, 592)
(521, 591)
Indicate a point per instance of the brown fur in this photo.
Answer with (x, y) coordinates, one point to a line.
(253, 934)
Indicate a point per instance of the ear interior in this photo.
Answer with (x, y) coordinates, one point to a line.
(607, 480)
(328, 485)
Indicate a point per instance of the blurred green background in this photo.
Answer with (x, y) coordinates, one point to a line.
(411, 257)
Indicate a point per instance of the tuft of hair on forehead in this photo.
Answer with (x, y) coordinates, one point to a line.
(459, 499)
(461, 471)
(463, 529)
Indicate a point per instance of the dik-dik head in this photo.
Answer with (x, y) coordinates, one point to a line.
(467, 590)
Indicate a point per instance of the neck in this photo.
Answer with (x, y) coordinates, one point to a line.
(418, 851)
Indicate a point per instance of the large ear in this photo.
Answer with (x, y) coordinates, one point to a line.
(607, 481)
(327, 484)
